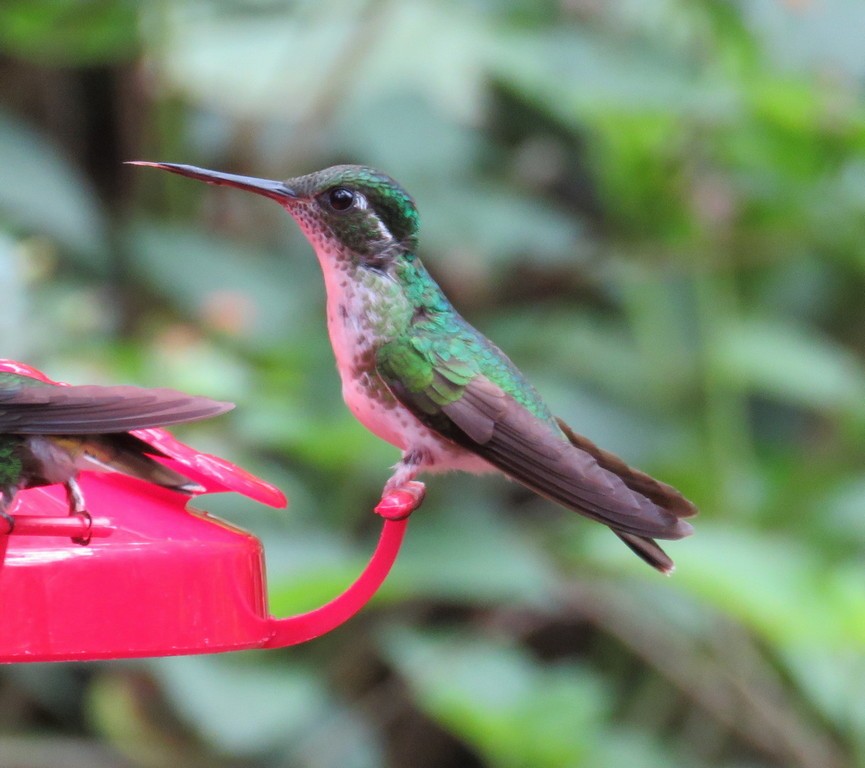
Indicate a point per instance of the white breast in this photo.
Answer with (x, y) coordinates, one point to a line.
(362, 310)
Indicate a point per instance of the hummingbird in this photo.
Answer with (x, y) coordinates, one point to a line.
(50, 432)
(418, 375)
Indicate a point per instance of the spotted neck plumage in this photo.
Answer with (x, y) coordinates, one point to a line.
(367, 305)
(365, 309)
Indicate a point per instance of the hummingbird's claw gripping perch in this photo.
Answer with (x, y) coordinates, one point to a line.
(75, 499)
(84, 539)
(399, 503)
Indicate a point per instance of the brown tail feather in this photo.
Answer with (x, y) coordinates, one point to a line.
(661, 494)
(649, 551)
(665, 496)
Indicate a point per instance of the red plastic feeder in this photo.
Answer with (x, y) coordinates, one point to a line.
(155, 578)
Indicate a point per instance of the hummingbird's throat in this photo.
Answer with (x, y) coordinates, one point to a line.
(366, 308)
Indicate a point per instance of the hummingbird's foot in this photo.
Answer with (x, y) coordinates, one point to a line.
(399, 503)
(75, 500)
(84, 539)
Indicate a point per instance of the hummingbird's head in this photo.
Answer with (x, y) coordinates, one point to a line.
(350, 211)
(361, 209)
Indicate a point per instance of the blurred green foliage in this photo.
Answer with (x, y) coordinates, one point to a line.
(656, 207)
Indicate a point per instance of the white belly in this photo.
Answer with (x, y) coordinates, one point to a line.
(349, 325)
(398, 426)
(388, 420)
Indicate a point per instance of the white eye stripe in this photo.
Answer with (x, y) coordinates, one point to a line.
(385, 232)
(361, 203)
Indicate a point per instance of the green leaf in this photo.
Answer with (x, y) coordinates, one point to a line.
(13, 327)
(487, 224)
(792, 363)
(262, 295)
(789, 594)
(833, 683)
(45, 194)
(516, 712)
(815, 37)
(458, 549)
(297, 50)
(310, 568)
(70, 31)
(614, 76)
(247, 708)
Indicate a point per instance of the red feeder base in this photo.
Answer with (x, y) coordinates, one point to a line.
(154, 580)
(144, 576)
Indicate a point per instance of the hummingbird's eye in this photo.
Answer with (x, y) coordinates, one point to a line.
(340, 198)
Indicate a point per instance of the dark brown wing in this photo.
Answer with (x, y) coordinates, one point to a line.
(92, 409)
(572, 471)
(531, 451)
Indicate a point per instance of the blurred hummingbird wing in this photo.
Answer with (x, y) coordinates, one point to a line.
(32, 409)
(474, 412)
(9, 380)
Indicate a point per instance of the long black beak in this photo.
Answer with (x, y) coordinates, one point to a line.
(273, 189)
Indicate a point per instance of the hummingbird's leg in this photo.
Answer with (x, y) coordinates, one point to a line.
(75, 499)
(402, 494)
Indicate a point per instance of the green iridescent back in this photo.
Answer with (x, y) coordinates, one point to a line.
(443, 341)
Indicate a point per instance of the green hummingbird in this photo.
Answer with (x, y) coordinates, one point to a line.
(50, 432)
(416, 374)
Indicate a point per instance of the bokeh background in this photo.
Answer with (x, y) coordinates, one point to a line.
(655, 206)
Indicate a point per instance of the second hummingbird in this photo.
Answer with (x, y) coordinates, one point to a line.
(418, 375)
(49, 433)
